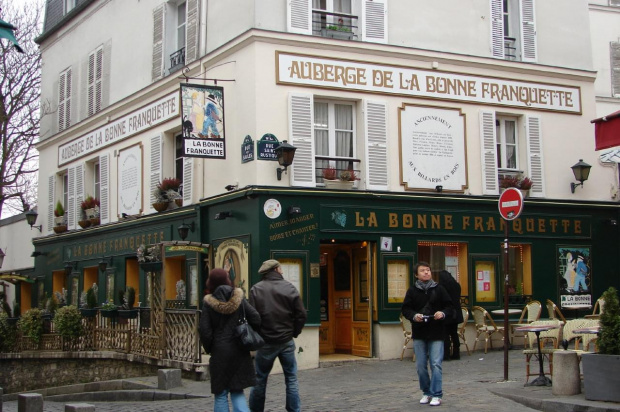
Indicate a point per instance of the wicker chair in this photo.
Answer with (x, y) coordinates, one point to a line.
(531, 351)
(555, 312)
(485, 326)
(406, 325)
(531, 312)
(598, 309)
(588, 339)
(462, 326)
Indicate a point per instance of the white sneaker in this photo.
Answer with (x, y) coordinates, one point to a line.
(425, 399)
(435, 401)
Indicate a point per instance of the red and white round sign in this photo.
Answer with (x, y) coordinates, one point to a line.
(510, 203)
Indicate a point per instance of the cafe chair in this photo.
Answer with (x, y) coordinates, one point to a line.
(598, 309)
(485, 326)
(569, 335)
(555, 312)
(406, 325)
(549, 341)
(462, 326)
(530, 313)
(588, 340)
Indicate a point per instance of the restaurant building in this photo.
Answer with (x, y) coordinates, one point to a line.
(433, 109)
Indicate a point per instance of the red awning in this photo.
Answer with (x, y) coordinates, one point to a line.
(607, 131)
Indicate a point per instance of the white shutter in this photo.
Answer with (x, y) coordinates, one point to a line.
(375, 125)
(533, 133)
(159, 21)
(106, 66)
(299, 16)
(95, 74)
(188, 186)
(615, 68)
(374, 21)
(155, 174)
(301, 132)
(488, 155)
(614, 3)
(70, 208)
(79, 191)
(497, 29)
(528, 31)
(64, 100)
(191, 30)
(104, 188)
(51, 201)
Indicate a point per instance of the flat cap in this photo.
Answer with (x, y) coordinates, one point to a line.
(268, 265)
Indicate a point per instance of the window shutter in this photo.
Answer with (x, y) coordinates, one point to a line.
(299, 17)
(489, 153)
(301, 132)
(614, 3)
(79, 191)
(533, 133)
(191, 31)
(188, 173)
(106, 65)
(159, 17)
(155, 171)
(104, 188)
(70, 208)
(374, 21)
(528, 31)
(95, 74)
(497, 29)
(51, 201)
(98, 77)
(615, 68)
(376, 145)
(64, 100)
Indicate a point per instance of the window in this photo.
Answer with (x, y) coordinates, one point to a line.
(95, 75)
(69, 5)
(97, 181)
(507, 150)
(334, 136)
(450, 256)
(178, 160)
(65, 190)
(520, 269)
(64, 100)
(513, 30)
(615, 67)
(181, 20)
(334, 13)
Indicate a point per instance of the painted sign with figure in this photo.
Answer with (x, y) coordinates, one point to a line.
(202, 113)
(574, 276)
(432, 148)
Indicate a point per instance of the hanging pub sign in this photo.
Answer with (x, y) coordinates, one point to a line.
(266, 147)
(202, 113)
(247, 149)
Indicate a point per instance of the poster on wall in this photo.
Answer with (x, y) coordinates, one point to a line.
(202, 114)
(130, 180)
(432, 148)
(233, 256)
(574, 277)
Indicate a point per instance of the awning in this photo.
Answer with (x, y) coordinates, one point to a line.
(6, 32)
(13, 277)
(607, 131)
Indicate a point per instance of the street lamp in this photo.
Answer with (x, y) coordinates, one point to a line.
(581, 170)
(285, 154)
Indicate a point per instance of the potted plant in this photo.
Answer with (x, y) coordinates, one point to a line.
(68, 322)
(166, 192)
(84, 221)
(30, 325)
(8, 331)
(60, 222)
(524, 184)
(89, 303)
(339, 31)
(109, 310)
(600, 370)
(343, 179)
(128, 298)
(90, 207)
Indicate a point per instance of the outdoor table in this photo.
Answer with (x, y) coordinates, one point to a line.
(591, 330)
(577, 308)
(542, 380)
(510, 311)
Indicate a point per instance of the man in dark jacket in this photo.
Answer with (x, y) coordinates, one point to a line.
(426, 305)
(283, 316)
(451, 337)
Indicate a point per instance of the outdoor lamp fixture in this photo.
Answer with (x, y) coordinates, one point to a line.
(103, 263)
(223, 215)
(293, 210)
(439, 188)
(2, 255)
(581, 170)
(184, 229)
(69, 267)
(31, 219)
(285, 153)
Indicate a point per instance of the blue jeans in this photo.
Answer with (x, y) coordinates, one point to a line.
(432, 351)
(220, 402)
(263, 362)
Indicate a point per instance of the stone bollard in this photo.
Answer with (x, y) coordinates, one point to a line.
(566, 380)
(79, 407)
(30, 402)
(168, 378)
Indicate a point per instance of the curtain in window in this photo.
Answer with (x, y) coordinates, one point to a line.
(511, 145)
(342, 6)
(344, 134)
(321, 137)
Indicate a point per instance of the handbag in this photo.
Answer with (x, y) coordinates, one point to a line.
(248, 337)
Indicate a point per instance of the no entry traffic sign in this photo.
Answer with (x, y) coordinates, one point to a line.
(510, 203)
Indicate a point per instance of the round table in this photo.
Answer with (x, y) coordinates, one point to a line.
(510, 311)
(542, 380)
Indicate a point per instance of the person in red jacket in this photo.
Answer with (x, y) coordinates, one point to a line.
(283, 316)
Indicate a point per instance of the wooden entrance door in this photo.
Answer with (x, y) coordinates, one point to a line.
(361, 324)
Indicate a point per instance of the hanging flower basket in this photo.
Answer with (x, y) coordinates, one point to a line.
(60, 228)
(95, 221)
(179, 202)
(160, 206)
(84, 223)
(111, 313)
(88, 312)
(128, 313)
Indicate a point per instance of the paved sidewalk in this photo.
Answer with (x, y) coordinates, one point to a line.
(474, 383)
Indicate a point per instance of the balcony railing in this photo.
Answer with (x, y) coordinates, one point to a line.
(510, 50)
(334, 25)
(338, 163)
(177, 60)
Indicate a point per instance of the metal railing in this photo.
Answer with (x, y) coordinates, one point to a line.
(334, 25)
(340, 164)
(177, 60)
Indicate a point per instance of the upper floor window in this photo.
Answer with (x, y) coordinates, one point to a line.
(181, 23)
(64, 100)
(513, 29)
(178, 160)
(615, 67)
(65, 190)
(97, 180)
(95, 76)
(69, 5)
(506, 141)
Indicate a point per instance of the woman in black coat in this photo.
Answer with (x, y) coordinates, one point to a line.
(230, 366)
(451, 323)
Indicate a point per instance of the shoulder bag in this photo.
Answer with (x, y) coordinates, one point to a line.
(248, 337)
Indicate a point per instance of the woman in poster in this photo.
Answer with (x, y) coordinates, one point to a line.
(569, 273)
